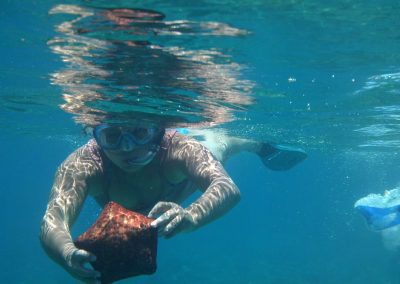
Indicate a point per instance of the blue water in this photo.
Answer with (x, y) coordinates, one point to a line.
(322, 77)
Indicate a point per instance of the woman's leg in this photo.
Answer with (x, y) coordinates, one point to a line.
(274, 157)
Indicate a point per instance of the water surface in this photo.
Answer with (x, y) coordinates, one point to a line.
(324, 77)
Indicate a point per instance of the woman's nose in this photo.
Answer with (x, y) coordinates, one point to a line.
(127, 144)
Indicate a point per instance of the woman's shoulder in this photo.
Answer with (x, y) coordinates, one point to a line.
(174, 141)
(173, 136)
(92, 150)
(180, 146)
(88, 156)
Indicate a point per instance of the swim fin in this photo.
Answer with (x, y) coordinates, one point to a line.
(381, 211)
(380, 218)
(279, 157)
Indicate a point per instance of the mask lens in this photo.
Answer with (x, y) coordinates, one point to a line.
(111, 136)
(143, 135)
(107, 136)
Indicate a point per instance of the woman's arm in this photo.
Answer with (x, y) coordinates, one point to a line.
(68, 194)
(220, 193)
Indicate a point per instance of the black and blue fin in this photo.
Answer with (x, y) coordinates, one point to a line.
(280, 158)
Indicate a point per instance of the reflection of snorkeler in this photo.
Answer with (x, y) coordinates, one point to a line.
(127, 57)
(148, 169)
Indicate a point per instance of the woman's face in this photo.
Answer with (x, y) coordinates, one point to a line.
(128, 160)
(130, 147)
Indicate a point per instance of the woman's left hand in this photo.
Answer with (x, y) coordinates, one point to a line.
(171, 219)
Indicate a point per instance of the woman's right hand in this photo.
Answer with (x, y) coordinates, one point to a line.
(76, 265)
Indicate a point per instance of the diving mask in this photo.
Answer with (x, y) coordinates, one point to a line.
(126, 138)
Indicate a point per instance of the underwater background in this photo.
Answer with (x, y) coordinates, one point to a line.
(323, 77)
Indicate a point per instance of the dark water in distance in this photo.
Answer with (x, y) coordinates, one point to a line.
(324, 77)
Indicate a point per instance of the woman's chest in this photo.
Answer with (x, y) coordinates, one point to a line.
(139, 192)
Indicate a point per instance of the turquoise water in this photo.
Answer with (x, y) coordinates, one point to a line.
(324, 77)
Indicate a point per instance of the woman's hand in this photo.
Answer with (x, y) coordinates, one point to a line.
(171, 219)
(76, 265)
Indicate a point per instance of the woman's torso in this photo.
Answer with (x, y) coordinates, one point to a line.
(161, 180)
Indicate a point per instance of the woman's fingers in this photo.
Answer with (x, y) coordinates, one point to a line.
(167, 212)
(79, 259)
(160, 208)
(170, 229)
(170, 216)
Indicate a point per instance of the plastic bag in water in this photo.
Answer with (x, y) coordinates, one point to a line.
(381, 211)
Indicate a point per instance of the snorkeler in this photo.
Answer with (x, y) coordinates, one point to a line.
(380, 211)
(148, 169)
